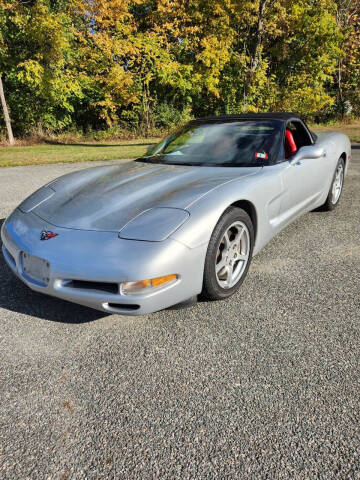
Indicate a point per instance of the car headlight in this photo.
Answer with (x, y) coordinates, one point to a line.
(146, 286)
(154, 225)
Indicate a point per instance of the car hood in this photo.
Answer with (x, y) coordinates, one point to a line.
(106, 198)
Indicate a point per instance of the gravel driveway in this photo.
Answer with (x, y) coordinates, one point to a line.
(264, 385)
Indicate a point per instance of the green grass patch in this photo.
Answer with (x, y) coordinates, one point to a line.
(72, 153)
(352, 130)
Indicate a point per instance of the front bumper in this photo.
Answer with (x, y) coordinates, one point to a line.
(87, 267)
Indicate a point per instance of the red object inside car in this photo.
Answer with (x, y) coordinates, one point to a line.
(290, 145)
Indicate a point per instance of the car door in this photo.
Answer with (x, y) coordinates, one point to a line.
(302, 181)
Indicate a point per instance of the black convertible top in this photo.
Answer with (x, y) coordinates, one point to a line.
(285, 116)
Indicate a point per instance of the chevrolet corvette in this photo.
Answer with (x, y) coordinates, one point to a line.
(183, 220)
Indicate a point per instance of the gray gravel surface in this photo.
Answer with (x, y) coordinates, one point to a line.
(264, 385)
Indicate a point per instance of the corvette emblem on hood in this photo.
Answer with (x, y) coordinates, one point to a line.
(46, 235)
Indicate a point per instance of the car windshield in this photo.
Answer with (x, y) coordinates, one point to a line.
(244, 143)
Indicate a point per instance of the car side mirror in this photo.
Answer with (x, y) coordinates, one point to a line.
(309, 151)
(149, 148)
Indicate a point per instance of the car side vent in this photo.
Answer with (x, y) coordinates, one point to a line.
(106, 287)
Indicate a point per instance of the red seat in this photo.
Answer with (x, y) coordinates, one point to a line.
(290, 145)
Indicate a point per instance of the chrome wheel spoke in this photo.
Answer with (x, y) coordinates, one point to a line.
(227, 240)
(220, 265)
(228, 271)
(234, 244)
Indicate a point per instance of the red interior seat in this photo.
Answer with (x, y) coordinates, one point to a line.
(290, 145)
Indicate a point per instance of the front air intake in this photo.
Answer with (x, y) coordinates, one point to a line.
(87, 286)
(123, 306)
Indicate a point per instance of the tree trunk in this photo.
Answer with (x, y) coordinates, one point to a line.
(146, 106)
(340, 92)
(259, 33)
(6, 114)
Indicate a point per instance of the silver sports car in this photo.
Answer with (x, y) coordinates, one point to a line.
(183, 220)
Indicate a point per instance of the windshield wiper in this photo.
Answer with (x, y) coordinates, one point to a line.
(203, 164)
(240, 165)
(187, 164)
(147, 160)
(197, 164)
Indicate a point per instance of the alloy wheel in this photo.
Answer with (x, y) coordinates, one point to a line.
(232, 255)
(337, 184)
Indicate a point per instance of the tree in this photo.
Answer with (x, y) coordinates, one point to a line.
(6, 114)
(141, 64)
(36, 63)
(303, 56)
(348, 70)
(2, 94)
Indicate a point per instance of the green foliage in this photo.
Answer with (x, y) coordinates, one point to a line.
(147, 65)
(168, 116)
(37, 65)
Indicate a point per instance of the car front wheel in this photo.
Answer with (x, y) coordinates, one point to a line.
(229, 254)
(336, 186)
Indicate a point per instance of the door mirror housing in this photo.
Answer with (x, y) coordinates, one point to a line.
(309, 151)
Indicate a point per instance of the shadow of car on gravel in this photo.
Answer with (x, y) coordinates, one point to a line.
(17, 297)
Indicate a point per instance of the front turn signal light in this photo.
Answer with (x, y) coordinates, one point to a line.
(145, 286)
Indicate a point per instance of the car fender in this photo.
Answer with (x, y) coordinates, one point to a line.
(263, 191)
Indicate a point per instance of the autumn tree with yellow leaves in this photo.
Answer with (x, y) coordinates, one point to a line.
(143, 65)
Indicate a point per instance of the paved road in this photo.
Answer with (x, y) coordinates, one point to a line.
(263, 386)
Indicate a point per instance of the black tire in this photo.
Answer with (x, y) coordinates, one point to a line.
(330, 204)
(211, 288)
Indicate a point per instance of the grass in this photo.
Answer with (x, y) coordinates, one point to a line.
(351, 129)
(72, 153)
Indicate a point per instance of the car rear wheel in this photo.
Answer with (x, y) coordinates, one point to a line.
(229, 254)
(336, 187)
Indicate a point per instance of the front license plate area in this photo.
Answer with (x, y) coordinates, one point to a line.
(35, 268)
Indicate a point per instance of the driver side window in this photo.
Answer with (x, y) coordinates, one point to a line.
(296, 136)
